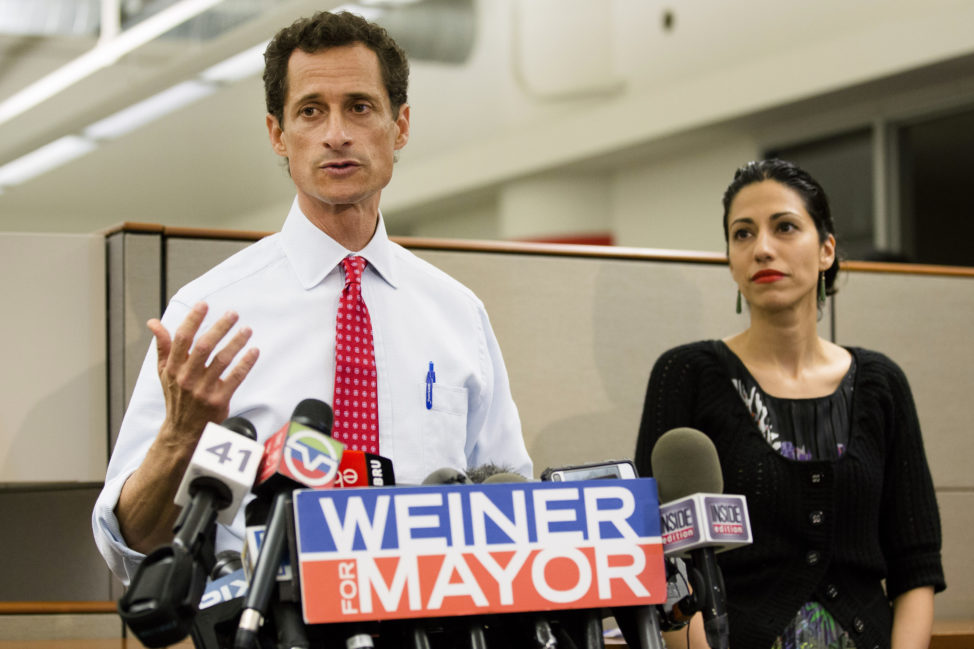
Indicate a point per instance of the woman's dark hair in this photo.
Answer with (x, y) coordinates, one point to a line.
(325, 30)
(796, 178)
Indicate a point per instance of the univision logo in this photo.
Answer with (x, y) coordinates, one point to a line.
(312, 458)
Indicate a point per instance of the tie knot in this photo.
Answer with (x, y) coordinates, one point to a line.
(354, 265)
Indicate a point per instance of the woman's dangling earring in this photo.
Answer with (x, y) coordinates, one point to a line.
(738, 301)
(821, 287)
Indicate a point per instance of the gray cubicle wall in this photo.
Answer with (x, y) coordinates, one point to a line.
(580, 329)
(53, 428)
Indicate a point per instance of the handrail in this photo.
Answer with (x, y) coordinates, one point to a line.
(555, 249)
(52, 608)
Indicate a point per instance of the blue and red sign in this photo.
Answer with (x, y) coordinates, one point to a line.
(402, 552)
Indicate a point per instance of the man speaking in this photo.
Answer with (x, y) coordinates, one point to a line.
(405, 353)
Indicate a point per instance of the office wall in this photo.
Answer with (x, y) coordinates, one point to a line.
(580, 328)
(580, 332)
(53, 419)
(52, 389)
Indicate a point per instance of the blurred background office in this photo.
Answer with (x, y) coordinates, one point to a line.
(569, 121)
(604, 121)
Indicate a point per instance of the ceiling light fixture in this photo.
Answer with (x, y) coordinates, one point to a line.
(237, 67)
(42, 160)
(148, 110)
(105, 53)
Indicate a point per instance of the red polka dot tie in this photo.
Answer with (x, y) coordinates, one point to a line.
(355, 403)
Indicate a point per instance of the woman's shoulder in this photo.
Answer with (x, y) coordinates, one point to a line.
(693, 356)
(702, 349)
(875, 371)
(874, 361)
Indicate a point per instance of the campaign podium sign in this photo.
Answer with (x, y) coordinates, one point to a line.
(450, 550)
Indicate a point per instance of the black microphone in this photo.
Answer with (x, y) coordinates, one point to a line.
(163, 598)
(301, 454)
(685, 463)
(446, 475)
(364, 469)
(219, 609)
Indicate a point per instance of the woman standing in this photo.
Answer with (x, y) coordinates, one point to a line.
(823, 441)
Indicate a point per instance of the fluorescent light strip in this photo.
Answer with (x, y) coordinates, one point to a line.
(148, 110)
(237, 67)
(70, 147)
(50, 156)
(103, 55)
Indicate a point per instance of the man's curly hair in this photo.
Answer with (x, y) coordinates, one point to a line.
(325, 30)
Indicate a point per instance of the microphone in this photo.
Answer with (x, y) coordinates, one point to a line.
(219, 610)
(687, 471)
(301, 454)
(446, 475)
(362, 469)
(163, 598)
(226, 460)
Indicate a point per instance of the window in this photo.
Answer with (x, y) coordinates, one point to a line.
(843, 165)
(936, 159)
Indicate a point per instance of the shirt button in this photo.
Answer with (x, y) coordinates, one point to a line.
(817, 478)
(812, 557)
(816, 517)
(858, 625)
(831, 592)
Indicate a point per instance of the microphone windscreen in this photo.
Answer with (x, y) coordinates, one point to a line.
(505, 476)
(478, 474)
(314, 413)
(227, 563)
(446, 475)
(242, 426)
(685, 462)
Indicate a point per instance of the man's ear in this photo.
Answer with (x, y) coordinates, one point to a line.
(275, 132)
(402, 123)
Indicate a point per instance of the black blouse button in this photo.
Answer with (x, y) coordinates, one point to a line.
(858, 625)
(832, 592)
(816, 517)
(812, 557)
(817, 477)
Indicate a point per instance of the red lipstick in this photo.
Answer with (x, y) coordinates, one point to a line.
(766, 276)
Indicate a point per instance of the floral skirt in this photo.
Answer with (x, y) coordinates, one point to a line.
(813, 628)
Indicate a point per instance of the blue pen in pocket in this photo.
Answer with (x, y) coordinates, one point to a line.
(430, 380)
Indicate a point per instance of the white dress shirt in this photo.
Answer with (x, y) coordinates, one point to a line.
(286, 287)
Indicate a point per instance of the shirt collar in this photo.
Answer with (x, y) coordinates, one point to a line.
(313, 254)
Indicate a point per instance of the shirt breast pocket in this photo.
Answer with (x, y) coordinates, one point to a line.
(444, 426)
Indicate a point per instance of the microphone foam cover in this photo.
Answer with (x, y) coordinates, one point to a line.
(479, 474)
(314, 413)
(505, 476)
(241, 425)
(446, 475)
(227, 563)
(685, 462)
